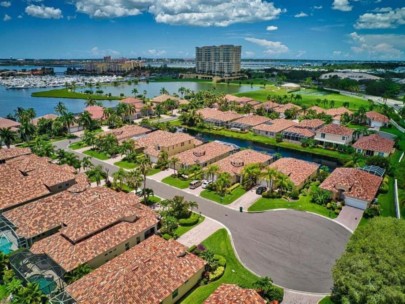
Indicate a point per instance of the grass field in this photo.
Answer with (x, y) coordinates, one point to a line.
(96, 154)
(64, 93)
(225, 200)
(176, 182)
(386, 200)
(125, 164)
(235, 273)
(183, 229)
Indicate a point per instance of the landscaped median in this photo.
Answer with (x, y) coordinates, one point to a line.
(226, 199)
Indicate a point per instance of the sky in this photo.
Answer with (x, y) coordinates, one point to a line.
(279, 29)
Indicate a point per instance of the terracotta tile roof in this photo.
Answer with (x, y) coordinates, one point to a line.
(96, 112)
(96, 228)
(376, 143)
(311, 123)
(46, 116)
(164, 97)
(297, 170)
(131, 100)
(233, 294)
(268, 105)
(6, 154)
(239, 100)
(276, 125)
(317, 109)
(214, 114)
(356, 183)
(338, 111)
(147, 273)
(234, 164)
(152, 141)
(204, 153)
(300, 131)
(336, 129)
(375, 116)
(8, 123)
(284, 107)
(251, 120)
(127, 132)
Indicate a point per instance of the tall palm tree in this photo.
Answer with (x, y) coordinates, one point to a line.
(250, 174)
(60, 108)
(211, 171)
(134, 91)
(173, 162)
(68, 119)
(164, 91)
(86, 163)
(134, 179)
(7, 136)
(86, 120)
(270, 174)
(90, 102)
(119, 176)
(26, 130)
(144, 166)
(97, 174)
(222, 183)
(284, 183)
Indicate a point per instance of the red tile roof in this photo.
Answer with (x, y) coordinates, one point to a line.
(239, 100)
(338, 111)
(300, 131)
(6, 154)
(46, 116)
(8, 123)
(164, 97)
(355, 183)
(251, 120)
(268, 105)
(311, 123)
(131, 100)
(233, 294)
(317, 109)
(96, 112)
(147, 273)
(297, 170)
(336, 129)
(284, 107)
(276, 125)
(214, 114)
(375, 143)
(375, 116)
(95, 228)
(127, 132)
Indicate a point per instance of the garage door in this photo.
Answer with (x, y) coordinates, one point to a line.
(355, 203)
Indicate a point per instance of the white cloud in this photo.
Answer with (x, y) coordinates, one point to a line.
(318, 7)
(272, 28)
(342, 5)
(184, 12)
(156, 53)
(388, 46)
(337, 53)
(5, 3)
(301, 15)
(249, 54)
(96, 52)
(6, 18)
(271, 47)
(383, 18)
(44, 12)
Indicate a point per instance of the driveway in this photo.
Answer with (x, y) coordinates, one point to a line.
(199, 233)
(350, 217)
(162, 174)
(245, 200)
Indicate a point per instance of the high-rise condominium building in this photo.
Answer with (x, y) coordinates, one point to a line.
(223, 60)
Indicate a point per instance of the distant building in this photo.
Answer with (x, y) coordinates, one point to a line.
(116, 66)
(223, 60)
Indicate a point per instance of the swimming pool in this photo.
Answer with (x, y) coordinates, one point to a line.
(47, 285)
(5, 245)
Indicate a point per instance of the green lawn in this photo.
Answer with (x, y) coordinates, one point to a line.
(326, 300)
(153, 171)
(78, 145)
(64, 93)
(97, 154)
(235, 273)
(303, 204)
(387, 202)
(153, 200)
(176, 182)
(227, 199)
(125, 164)
(183, 229)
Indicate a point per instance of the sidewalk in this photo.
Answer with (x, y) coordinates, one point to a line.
(199, 233)
(293, 297)
(162, 174)
(246, 200)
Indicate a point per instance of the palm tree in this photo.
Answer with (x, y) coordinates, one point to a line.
(68, 119)
(97, 174)
(250, 173)
(270, 174)
(86, 121)
(86, 163)
(284, 183)
(89, 138)
(30, 294)
(163, 91)
(26, 130)
(7, 136)
(211, 171)
(90, 102)
(60, 108)
(119, 176)
(144, 166)
(182, 90)
(222, 183)
(134, 91)
(134, 179)
(173, 161)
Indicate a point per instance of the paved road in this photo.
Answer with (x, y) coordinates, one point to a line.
(296, 249)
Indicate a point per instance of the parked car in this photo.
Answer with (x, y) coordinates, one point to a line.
(195, 184)
(205, 184)
(260, 190)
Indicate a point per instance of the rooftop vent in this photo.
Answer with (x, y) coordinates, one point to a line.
(237, 163)
(199, 153)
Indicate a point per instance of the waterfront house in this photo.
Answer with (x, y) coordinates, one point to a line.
(127, 132)
(234, 163)
(298, 171)
(46, 116)
(377, 120)
(334, 134)
(281, 109)
(8, 123)
(311, 124)
(355, 187)
(96, 232)
(273, 127)
(233, 294)
(155, 272)
(374, 145)
(247, 122)
(268, 106)
(96, 112)
(173, 143)
(138, 105)
(240, 101)
(218, 118)
(296, 134)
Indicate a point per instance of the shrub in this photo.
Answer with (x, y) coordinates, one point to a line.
(295, 194)
(230, 189)
(372, 211)
(192, 248)
(384, 187)
(167, 236)
(269, 194)
(215, 275)
(192, 220)
(279, 138)
(220, 260)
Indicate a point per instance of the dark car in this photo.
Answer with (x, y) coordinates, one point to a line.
(260, 190)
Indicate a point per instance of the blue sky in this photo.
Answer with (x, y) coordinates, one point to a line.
(310, 29)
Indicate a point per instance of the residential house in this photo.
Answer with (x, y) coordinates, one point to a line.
(233, 294)
(298, 171)
(138, 105)
(217, 117)
(172, 143)
(311, 124)
(8, 123)
(46, 116)
(296, 134)
(96, 112)
(155, 272)
(317, 110)
(334, 134)
(273, 127)
(234, 163)
(337, 113)
(268, 106)
(248, 122)
(374, 145)
(240, 101)
(377, 120)
(96, 232)
(281, 109)
(163, 98)
(6, 154)
(355, 187)
(204, 155)
(127, 132)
